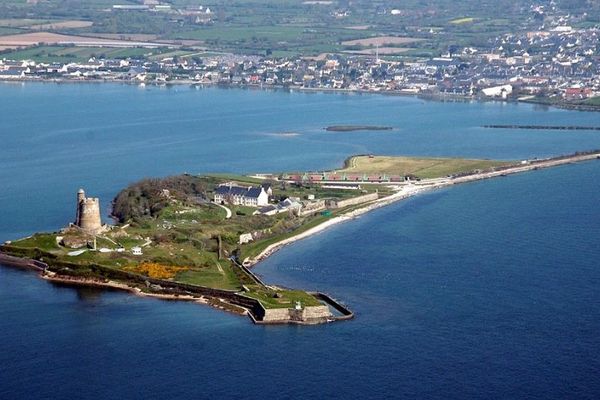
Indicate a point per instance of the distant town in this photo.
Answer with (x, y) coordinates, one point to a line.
(556, 65)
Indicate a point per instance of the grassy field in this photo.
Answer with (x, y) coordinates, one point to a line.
(22, 22)
(72, 53)
(594, 101)
(57, 25)
(220, 275)
(423, 168)
(287, 300)
(290, 39)
(8, 31)
(46, 242)
(242, 33)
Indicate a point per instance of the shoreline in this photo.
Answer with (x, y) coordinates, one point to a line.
(436, 97)
(225, 303)
(400, 195)
(412, 190)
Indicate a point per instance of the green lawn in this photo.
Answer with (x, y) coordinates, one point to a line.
(42, 241)
(212, 276)
(287, 298)
(424, 168)
(235, 178)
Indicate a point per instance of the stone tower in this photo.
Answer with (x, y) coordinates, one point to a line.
(88, 214)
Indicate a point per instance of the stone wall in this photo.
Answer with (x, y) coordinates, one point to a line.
(316, 313)
(306, 315)
(352, 201)
(311, 207)
(276, 315)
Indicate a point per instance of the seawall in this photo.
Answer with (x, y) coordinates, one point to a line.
(227, 300)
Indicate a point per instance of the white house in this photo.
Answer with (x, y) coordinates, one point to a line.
(498, 91)
(238, 195)
(136, 251)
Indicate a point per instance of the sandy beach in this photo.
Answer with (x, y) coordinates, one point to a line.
(408, 190)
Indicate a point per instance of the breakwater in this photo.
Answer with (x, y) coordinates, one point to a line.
(355, 128)
(545, 127)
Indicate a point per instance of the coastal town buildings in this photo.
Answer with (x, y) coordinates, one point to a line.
(557, 64)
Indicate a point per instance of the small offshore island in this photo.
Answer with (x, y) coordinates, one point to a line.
(357, 128)
(195, 237)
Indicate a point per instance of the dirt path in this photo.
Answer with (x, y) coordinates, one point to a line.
(229, 214)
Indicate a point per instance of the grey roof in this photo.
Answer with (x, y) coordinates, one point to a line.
(267, 209)
(12, 72)
(252, 192)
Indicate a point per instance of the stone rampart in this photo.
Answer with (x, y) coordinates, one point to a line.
(352, 201)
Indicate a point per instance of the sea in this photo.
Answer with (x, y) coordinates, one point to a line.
(487, 290)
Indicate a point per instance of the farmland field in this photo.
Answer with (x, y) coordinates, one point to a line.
(73, 24)
(381, 41)
(380, 50)
(71, 53)
(29, 39)
(421, 167)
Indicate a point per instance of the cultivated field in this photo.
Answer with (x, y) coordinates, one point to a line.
(420, 167)
(381, 41)
(380, 50)
(30, 39)
(62, 25)
(82, 53)
(136, 37)
(22, 22)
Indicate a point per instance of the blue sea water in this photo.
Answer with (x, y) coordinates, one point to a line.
(484, 290)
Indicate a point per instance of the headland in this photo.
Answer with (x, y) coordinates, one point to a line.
(195, 237)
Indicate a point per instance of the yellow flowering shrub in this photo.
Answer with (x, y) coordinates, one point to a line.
(157, 271)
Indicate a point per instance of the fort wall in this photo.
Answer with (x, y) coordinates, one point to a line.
(352, 201)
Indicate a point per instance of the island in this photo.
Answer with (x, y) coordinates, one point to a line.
(196, 237)
(356, 128)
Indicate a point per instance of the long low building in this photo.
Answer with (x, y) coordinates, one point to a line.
(251, 196)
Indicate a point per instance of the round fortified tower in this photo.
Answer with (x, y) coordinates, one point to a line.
(88, 213)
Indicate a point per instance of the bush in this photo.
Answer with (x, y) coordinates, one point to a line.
(147, 197)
